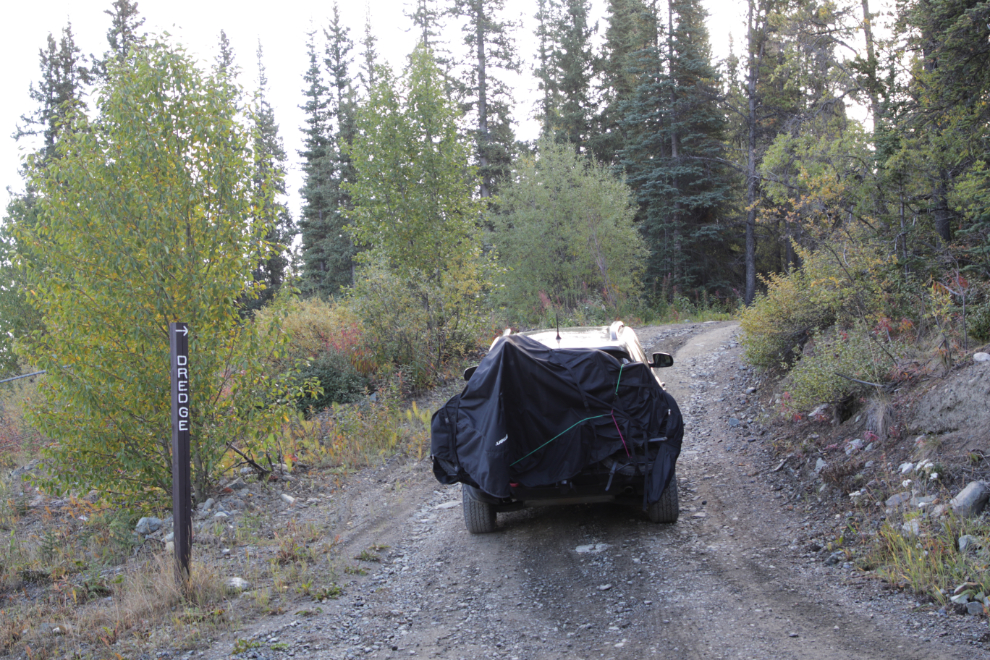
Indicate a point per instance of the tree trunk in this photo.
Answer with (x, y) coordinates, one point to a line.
(674, 154)
(750, 293)
(871, 63)
(940, 200)
(483, 137)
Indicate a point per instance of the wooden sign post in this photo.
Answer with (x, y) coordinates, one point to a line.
(178, 334)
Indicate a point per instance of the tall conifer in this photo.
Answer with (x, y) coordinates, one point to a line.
(268, 182)
(486, 95)
(675, 149)
(64, 76)
(341, 109)
(317, 167)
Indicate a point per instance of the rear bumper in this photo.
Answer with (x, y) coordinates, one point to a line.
(585, 489)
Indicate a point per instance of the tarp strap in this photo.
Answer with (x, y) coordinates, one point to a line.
(624, 446)
(586, 419)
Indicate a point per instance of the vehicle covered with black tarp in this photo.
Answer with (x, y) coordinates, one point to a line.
(572, 416)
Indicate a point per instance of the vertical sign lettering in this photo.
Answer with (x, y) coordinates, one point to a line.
(181, 419)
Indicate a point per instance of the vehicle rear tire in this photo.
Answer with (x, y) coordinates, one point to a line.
(479, 517)
(665, 510)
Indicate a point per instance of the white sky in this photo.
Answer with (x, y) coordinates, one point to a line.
(281, 27)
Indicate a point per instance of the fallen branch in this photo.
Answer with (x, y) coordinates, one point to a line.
(249, 461)
(861, 382)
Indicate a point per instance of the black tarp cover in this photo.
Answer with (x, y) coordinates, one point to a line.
(536, 416)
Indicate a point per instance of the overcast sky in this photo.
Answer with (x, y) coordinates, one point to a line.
(281, 28)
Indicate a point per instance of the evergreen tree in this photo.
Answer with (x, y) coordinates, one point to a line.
(675, 151)
(57, 94)
(944, 123)
(327, 251)
(224, 64)
(268, 181)
(125, 32)
(317, 167)
(564, 70)
(627, 35)
(545, 70)
(427, 19)
(485, 94)
(341, 109)
(576, 66)
(369, 56)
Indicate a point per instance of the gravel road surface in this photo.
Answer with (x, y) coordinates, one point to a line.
(731, 579)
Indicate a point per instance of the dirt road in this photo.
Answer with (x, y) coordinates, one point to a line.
(731, 579)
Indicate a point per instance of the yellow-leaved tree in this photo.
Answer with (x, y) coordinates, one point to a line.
(148, 216)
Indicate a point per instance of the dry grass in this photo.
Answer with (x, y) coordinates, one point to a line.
(146, 605)
(931, 564)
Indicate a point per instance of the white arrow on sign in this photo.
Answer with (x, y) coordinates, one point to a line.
(184, 330)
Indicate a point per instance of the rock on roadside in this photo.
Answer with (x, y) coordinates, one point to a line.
(971, 500)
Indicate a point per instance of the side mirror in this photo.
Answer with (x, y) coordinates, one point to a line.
(469, 372)
(662, 360)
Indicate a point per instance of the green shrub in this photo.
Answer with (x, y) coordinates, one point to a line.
(339, 382)
(815, 378)
(415, 326)
(979, 322)
(566, 237)
(779, 323)
(326, 347)
(839, 285)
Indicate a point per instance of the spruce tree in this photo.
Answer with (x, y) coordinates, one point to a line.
(60, 90)
(317, 170)
(224, 63)
(675, 149)
(58, 94)
(576, 65)
(427, 20)
(626, 36)
(485, 94)
(341, 109)
(546, 67)
(268, 181)
(125, 32)
(369, 56)
(564, 71)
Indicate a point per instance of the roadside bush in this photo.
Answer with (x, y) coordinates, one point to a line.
(815, 378)
(979, 322)
(564, 233)
(315, 326)
(338, 380)
(326, 343)
(415, 326)
(356, 435)
(830, 288)
(781, 321)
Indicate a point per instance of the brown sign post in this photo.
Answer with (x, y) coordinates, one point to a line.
(178, 334)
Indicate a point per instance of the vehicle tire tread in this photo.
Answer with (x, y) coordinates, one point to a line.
(479, 517)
